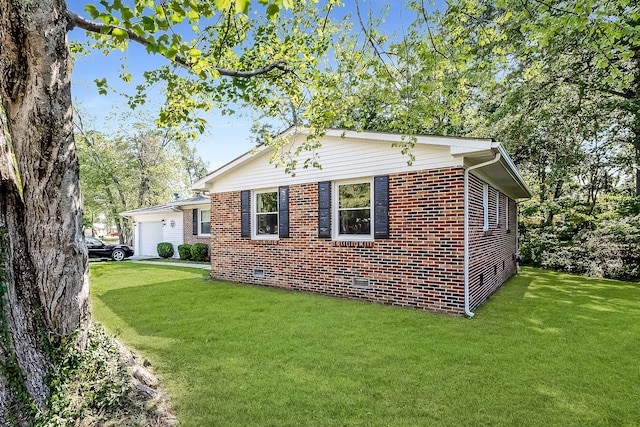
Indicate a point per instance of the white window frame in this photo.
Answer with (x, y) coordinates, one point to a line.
(506, 212)
(254, 215)
(335, 216)
(200, 233)
(485, 206)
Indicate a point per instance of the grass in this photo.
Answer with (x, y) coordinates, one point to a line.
(547, 349)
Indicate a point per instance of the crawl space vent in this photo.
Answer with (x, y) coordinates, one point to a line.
(361, 283)
(258, 273)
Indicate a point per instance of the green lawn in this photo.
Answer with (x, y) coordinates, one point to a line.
(547, 349)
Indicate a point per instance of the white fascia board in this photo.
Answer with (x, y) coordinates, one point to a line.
(513, 170)
(446, 141)
(147, 211)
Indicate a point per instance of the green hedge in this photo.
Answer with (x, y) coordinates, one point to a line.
(165, 250)
(199, 252)
(184, 251)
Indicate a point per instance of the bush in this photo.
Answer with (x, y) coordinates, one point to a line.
(614, 249)
(165, 250)
(199, 252)
(184, 251)
(611, 249)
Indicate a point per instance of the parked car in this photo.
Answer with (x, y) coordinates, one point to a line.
(98, 249)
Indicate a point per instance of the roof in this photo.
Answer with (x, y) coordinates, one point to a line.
(470, 151)
(174, 206)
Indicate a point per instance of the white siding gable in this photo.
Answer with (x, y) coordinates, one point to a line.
(340, 158)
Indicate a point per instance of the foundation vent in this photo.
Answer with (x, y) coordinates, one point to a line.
(258, 273)
(361, 283)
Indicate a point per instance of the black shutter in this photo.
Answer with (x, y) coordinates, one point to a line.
(245, 229)
(195, 222)
(381, 207)
(283, 211)
(324, 209)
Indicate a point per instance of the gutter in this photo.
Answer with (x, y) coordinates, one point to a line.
(467, 311)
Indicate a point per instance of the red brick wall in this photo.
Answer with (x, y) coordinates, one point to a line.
(188, 230)
(491, 253)
(420, 265)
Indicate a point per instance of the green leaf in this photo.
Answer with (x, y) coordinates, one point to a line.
(272, 11)
(119, 33)
(223, 4)
(92, 11)
(101, 85)
(242, 6)
(193, 15)
(148, 23)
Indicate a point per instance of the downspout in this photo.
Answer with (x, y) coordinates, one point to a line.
(467, 311)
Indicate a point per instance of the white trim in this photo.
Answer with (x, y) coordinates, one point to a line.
(254, 213)
(200, 233)
(485, 206)
(506, 213)
(335, 216)
(497, 207)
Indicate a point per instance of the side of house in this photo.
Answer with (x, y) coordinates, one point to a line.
(368, 225)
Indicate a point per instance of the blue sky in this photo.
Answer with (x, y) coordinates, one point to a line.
(227, 137)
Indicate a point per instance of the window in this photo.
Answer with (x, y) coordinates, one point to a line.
(266, 215)
(497, 207)
(353, 214)
(485, 205)
(506, 213)
(204, 222)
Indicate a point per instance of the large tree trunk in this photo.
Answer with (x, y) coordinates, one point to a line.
(45, 264)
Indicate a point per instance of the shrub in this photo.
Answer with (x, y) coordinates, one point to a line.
(165, 250)
(614, 249)
(184, 251)
(199, 252)
(611, 249)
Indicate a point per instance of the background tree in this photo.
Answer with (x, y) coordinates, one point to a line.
(136, 167)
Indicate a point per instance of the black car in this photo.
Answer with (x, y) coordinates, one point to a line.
(98, 249)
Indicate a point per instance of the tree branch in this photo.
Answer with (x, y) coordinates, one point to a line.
(78, 21)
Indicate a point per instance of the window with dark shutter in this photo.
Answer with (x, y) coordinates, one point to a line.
(245, 214)
(283, 211)
(381, 207)
(324, 209)
(194, 225)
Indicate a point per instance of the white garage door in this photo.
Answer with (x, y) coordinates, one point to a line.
(150, 236)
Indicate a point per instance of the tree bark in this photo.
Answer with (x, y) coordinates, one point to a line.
(45, 265)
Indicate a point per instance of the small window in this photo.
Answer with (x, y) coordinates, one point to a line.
(506, 213)
(266, 215)
(485, 205)
(353, 214)
(205, 222)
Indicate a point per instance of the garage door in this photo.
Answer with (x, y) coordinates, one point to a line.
(150, 236)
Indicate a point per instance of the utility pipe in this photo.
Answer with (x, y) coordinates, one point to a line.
(467, 311)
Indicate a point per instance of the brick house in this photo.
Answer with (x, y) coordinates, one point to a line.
(439, 234)
(177, 222)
